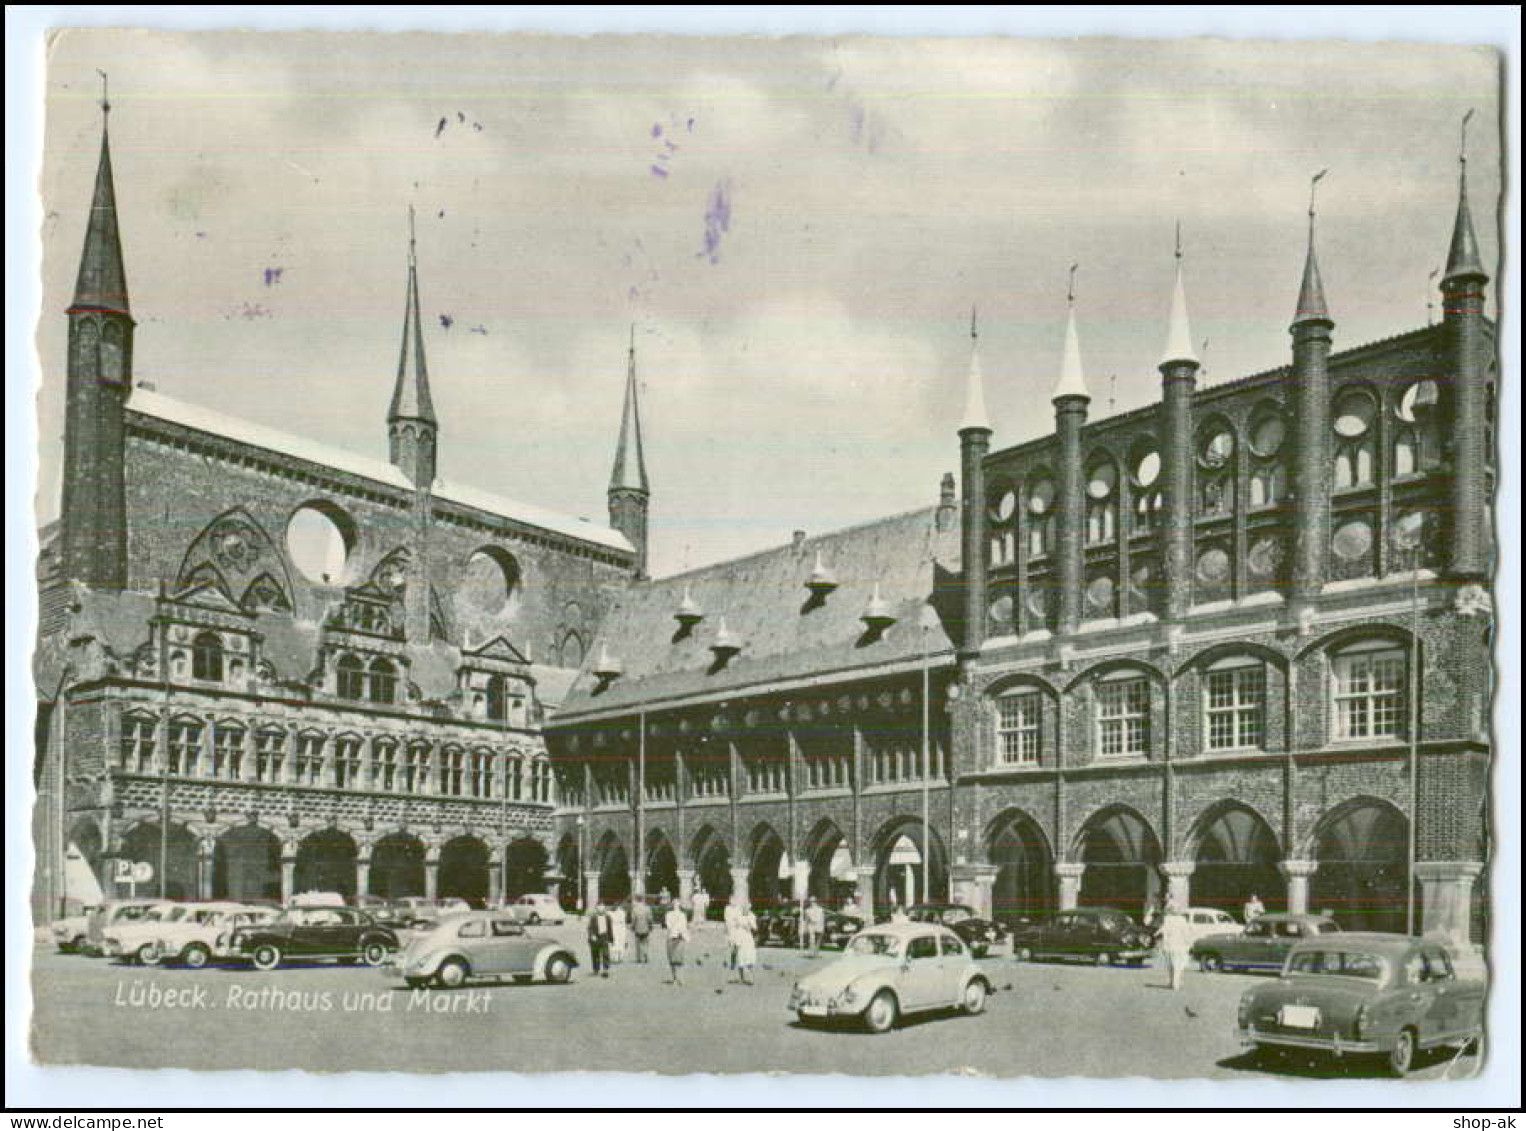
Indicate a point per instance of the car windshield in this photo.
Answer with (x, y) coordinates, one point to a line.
(871, 943)
(1343, 963)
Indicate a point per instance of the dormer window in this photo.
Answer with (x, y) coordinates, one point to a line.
(383, 681)
(877, 616)
(607, 668)
(207, 656)
(350, 681)
(726, 645)
(688, 614)
(822, 580)
(497, 698)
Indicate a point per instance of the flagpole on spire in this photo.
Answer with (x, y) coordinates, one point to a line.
(412, 239)
(1313, 185)
(1070, 286)
(974, 331)
(106, 93)
(1178, 241)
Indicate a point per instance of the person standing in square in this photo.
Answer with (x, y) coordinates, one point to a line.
(601, 933)
(641, 927)
(676, 923)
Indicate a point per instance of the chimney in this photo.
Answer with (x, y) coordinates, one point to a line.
(948, 502)
(799, 539)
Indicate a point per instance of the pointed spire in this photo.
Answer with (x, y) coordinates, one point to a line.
(102, 281)
(975, 415)
(1179, 334)
(1072, 382)
(1311, 295)
(630, 461)
(410, 397)
(1462, 258)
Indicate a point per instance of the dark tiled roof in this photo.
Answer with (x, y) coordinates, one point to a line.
(766, 605)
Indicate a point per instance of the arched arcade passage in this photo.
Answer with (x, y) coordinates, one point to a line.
(325, 862)
(397, 866)
(1025, 885)
(1236, 856)
(172, 858)
(1363, 851)
(246, 864)
(463, 871)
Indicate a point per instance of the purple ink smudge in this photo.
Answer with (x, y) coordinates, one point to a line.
(441, 215)
(717, 220)
(479, 329)
(691, 125)
(460, 117)
(446, 321)
(658, 171)
(656, 129)
(438, 130)
(201, 235)
(273, 275)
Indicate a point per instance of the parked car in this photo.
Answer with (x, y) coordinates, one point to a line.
(225, 947)
(317, 899)
(133, 938)
(780, 926)
(1264, 945)
(192, 940)
(1364, 994)
(890, 971)
(110, 914)
(72, 931)
(1205, 921)
(536, 908)
(345, 933)
(1100, 934)
(481, 944)
(414, 912)
(979, 933)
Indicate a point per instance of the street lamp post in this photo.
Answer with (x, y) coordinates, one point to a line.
(927, 853)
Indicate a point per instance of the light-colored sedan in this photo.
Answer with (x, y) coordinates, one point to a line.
(192, 940)
(481, 944)
(537, 908)
(892, 970)
(1205, 921)
(134, 940)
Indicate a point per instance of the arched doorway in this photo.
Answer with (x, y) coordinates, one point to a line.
(246, 864)
(397, 866)
(614, 870)
(570, 870)
(907, 870)
(1122, 858)
(173, 860)
(768, 871)
(661, 866)
(1363, 875)
(1025, 884)
(832, 880)
(325, 862)
(1236, 857)
(712, 865)
(463, 871)
(525, 866)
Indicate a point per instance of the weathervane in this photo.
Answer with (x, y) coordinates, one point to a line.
(1178, 241)
(1070, 288)
(1462, 148)
(106, 95)
(974, 331)
(1313, 184)
(412, 251)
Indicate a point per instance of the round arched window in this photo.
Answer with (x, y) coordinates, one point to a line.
(1354, 414)
(1352, 540)
(1099, 594)
(1264, 557)
(1144, 463)
(1213, 566)
(1004, 502)
(489, 581)
(1041, 496)
(1217, 448)
(1420, 397)
(1102, 479)
(320, 539)
(1267, 435)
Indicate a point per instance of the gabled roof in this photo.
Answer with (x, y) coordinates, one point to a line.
(161, 407)
(784, 633)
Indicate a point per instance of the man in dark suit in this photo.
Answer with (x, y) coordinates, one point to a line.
(601, 933)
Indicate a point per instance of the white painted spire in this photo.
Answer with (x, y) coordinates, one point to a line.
(975, 415)
(1072, 381)
(1179, 335)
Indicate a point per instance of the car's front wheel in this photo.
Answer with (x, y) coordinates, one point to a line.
(881, 1015)
(974, 999)
(195, 956)
(1210, 963)
(373, 953)
(1401, 1058)
(452, 973)
(534, 919)
(266, 957)
(1104, 958)
(1022, 954)
(146, 955)
(558, 970)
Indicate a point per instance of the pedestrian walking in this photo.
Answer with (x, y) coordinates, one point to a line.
(601, 933)
(676, 923)
(743, 931)
(815, 924)
(619, 941)
(731, 918)
(641, 927)
(1176, 945)
(701, 905)
(1254, 909)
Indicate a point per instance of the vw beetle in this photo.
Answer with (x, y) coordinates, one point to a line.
(481, 944)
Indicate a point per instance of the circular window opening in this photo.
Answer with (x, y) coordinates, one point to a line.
(1038, 604)
(1353, 414)
(1409, 530)
(1099, 594)
(1213, 565)
(1001, 613)
(1352, 541)
(1419, 398)
(320, 539)
(1264, 557)
(1217, 449)
(1006, 503)
(1041, 497)
(1267, 436)
(489, 582)
(1101, 480)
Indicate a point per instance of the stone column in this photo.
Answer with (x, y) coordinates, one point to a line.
(206, 858)
(590, 890)
(1446, 899)
(431, 872)
(1070, 883)
(288, 876)
(1178, 875)
(685, 884)
(1468, 349)
(497, 869)
(739, 884)
(1297, 873)
(363, 871)
(974, 443)
(638, 881)
(864, 890)
(1311, 453)
(801, 880)
(1178, 383)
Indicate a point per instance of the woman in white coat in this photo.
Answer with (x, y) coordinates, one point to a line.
(743, 930)
(620, 929)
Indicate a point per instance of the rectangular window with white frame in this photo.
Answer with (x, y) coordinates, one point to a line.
(1234, 707)
(1123, 717)
(1370, 697)
(1018, 722)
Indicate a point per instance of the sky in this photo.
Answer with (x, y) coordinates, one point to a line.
(796, 228)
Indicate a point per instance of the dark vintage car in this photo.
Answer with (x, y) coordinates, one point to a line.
(1263, 945)
(779, 925)
(1100, 934)
(1361, 994)
(979, 934)
(344, 933)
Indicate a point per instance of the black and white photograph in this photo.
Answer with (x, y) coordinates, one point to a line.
(855, 555)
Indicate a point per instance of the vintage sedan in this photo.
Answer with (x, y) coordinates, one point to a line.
(535, 908)
(1263, 945)
(481, 944)
(1098, 934)
(1364, 994)
(133, 938)
(890, 971)
(979, 934)
(71, 932)
(192, 940)
(780, 926)
(314, 933)
(113, 913)
(1205, 921)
